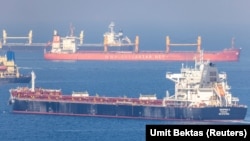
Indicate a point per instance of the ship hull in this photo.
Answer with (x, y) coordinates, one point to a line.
(127, 110)
(25, 79)
(225, 55)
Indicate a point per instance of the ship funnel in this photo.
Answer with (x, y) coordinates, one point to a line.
(33, 77)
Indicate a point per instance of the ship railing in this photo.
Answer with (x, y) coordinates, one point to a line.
(245, 106)
(163, 52)
(124, 102)
(177, 100)
(168, 98)
(118, 100)
(235, 99)
(147, 102)
(231, 105)
(178, 103)
(124, 52)
(23, 92)
(52, 90)
(90, 99)
(120, 44)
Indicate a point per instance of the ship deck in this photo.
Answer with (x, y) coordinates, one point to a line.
(56, 96)
(224, 55)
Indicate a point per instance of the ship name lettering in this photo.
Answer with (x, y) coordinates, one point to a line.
(186, 132)
(224, 111)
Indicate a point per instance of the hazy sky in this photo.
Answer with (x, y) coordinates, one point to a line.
(135, 11)
(92, 15)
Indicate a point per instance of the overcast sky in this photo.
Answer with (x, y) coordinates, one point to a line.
(135, 11)
(128, 14)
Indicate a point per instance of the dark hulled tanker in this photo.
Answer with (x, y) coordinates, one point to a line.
(201, 93)
(129, 111)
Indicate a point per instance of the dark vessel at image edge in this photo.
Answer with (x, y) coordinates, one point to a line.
(201, 93)
(9, 71)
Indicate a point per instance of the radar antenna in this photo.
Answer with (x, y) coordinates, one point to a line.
(72, 28)
(111, 26)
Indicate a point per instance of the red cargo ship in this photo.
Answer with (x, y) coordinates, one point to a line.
(67, 49)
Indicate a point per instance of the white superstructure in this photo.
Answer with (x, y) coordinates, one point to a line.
(66, 44)
(116, 39)
(201, 85)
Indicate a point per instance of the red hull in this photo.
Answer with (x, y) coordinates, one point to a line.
(225, 55)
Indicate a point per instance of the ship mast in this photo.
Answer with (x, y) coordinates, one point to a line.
(111, 26)
(233, 42)
(71, 30)
(33, 77)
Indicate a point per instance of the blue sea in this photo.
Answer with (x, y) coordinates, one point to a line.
(108, 79)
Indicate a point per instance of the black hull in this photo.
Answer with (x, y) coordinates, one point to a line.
(24, 79)
(129, 111)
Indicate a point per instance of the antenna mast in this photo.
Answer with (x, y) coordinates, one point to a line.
(71, 30)
(233, 42)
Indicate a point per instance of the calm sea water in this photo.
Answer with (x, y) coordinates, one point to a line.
(103, 78)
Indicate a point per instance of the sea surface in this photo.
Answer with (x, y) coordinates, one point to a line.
(103, 78)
